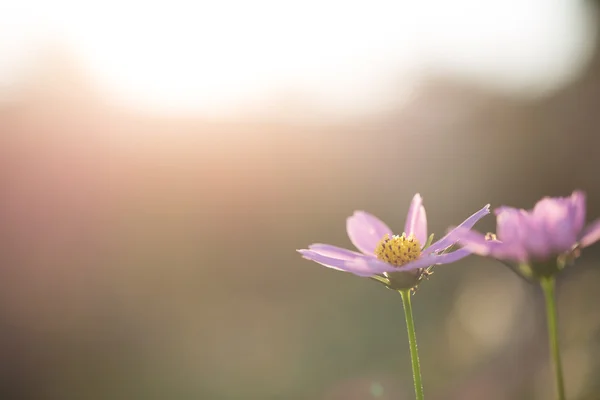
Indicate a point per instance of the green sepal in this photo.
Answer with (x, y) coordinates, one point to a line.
(428, 242)
(535, 271)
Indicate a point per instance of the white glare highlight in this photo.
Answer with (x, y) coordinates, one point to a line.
(348, 56)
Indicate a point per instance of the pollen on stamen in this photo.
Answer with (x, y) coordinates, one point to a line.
(398, 249)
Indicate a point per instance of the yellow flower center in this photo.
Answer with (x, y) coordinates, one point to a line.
(398, 250)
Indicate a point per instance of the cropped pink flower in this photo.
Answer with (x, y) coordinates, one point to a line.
(555, 226)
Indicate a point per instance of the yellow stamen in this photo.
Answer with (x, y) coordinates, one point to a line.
(490, 236)
(398, 250)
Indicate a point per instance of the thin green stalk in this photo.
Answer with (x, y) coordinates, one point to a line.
(412, 340)
(548, 288)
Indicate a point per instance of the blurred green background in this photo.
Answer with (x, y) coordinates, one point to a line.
(152, 256)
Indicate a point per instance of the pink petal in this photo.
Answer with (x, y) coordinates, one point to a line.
(416, 219)
(591, 234)
(510, 225)
(476, 243)
(554, 221)
(334, 251)
(365, 231)
(449, 239)
(433, 259)
(578, 210)
(361, 265)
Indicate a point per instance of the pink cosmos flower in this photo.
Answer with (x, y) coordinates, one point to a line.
(553, 228)
(382, 253)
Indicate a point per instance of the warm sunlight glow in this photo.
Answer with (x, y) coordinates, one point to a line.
(220, 56)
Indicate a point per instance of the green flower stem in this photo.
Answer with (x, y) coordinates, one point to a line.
(412, 340)
(548, 288)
